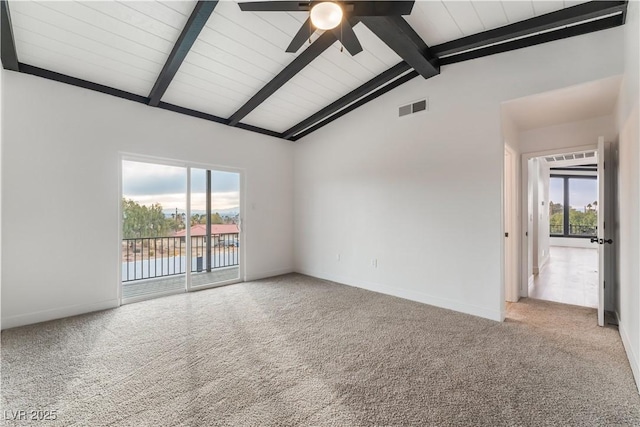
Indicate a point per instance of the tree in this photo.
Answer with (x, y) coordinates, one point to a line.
(215, 219)
(142, 221)
(555, 208)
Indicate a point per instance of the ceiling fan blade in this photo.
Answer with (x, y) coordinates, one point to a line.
(301, 36)
(348, 37)
(378, 8)
(274, 6)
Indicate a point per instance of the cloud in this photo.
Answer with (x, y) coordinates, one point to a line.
(140, 180)
(220, 181)
(219, 201)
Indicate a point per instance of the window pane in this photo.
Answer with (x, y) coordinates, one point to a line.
(556, 206)
(583, 214)
(153, 218)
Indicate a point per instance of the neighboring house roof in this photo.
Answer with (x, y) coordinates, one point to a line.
(201, 230)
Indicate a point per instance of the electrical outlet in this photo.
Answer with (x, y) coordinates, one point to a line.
(374, 263)
(337, 257)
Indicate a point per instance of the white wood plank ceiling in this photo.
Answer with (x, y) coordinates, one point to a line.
(119, 44)
(125, 44)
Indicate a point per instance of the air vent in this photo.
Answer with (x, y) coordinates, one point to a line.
(414, 107)
(572, 156)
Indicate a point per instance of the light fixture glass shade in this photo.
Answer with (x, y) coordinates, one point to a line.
(326, 15)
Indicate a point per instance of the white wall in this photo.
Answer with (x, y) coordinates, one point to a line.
(510, 131)
(2, 72)
(628, 232)
(60, 193)
(423, 195)
(531, 188)
(568, 135)
(534, 178)
(539, 176)
(543, 215)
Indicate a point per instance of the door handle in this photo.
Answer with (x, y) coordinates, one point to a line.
(601, 241)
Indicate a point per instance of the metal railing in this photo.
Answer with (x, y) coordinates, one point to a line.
(574, 230)
(154, 257)
(223, 251)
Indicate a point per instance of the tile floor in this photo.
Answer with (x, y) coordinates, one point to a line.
(570, 276)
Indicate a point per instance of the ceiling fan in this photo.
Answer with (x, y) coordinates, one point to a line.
(337, 16)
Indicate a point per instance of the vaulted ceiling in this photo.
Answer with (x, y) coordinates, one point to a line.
(211, 60)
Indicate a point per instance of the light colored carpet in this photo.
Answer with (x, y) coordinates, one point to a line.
(293, 350)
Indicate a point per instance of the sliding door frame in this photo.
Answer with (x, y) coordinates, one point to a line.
(141, 158)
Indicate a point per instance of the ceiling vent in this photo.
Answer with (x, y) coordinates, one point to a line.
(574, 156)
(413, 108)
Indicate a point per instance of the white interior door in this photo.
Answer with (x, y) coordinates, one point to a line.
(602, 243)
(511, 287)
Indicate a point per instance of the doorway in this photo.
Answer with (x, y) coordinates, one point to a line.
(566, 255)
(180, 227)
(567, 259)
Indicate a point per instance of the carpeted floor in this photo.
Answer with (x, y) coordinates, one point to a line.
(293, 350)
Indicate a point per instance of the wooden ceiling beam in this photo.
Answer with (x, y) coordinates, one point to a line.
(8, 51)
(373, 95)
(563, 33)
(402, 38)
(298, 64)
(569, 16)
(198, 19)
(352, 96)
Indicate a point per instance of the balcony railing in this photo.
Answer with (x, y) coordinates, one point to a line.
(574, 230)
(154, 257)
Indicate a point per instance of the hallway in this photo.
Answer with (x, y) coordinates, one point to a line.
(570, 276)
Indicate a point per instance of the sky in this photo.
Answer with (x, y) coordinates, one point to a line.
(147, 183)
(581, 192)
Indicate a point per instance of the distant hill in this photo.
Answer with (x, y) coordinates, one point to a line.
(223, 212)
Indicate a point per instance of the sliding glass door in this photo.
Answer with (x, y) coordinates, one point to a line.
(180, 229)
(215, 227)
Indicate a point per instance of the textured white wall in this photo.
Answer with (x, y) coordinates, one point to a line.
(423, 194)
(60, 193)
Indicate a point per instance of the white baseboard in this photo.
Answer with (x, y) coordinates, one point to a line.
(56, 313)
(633, 360)
(543, 263)
(267, 274)
(497, 315)
(537, 269)
(572, 242)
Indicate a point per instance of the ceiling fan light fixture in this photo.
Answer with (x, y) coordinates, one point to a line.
(326, 15)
